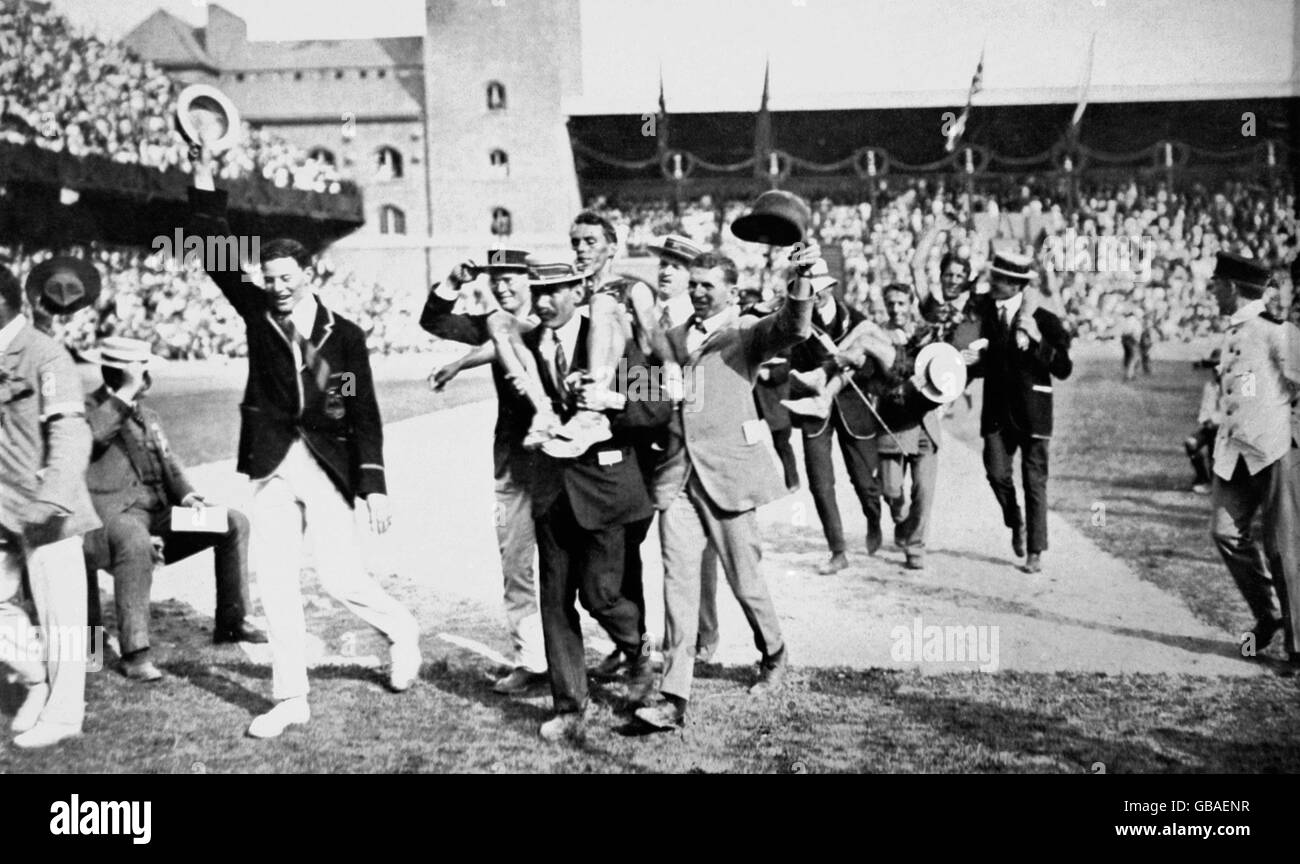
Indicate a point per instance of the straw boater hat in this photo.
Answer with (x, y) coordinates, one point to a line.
(63, 296)
(557, 275)
(503, 261)
(205, 115)
(941, 373)
(1018, 268)
(119, 352)
(676, 246)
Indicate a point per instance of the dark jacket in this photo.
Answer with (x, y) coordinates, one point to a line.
(339, 424)
(769, 391)
(514, 412)
(131, 461)
(605, 485)
(1018, 384)
(811, 354)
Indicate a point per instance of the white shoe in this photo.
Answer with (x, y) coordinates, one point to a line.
(30, 711)
(404, 670)
(282, 716)
(45, 735)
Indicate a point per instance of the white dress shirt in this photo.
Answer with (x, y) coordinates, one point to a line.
(679, 308)
(695, 336)
(566, 336)
(1008, 308)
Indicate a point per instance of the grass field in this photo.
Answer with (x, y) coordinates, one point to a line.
(1116, 444)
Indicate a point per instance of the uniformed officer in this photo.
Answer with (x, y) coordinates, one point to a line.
(1256, 460)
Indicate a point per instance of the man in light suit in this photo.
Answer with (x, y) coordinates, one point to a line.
(1257, 452)
(719, 470)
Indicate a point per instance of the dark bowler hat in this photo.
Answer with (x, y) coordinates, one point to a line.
(676, 246)
(504, 261)
(205, 115)
(544, 276)
(63, 284)
(1242, 270)
(1018, 268)
(777, 218)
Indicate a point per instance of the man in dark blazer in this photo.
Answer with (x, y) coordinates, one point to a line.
(583, 507)
(1027, 347)
(507, 273)
(850, 420)
(311, 440)
(135, 479)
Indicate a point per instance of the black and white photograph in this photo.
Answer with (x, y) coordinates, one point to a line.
(650, 386)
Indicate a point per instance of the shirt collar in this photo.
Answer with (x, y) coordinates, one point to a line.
(1011, 304)
(10, 331)
(1253, 309)
(717, 322)
(304, 314)
(567, 335)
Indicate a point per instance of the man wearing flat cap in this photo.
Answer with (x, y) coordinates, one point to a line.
(1256, 460)
(135, 479)
(1025, 349)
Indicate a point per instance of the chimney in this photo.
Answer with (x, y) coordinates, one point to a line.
(226, 36)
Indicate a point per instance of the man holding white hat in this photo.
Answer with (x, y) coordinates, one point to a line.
(135, 480)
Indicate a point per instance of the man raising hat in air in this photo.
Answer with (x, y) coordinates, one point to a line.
(311, 440)
(507, 274)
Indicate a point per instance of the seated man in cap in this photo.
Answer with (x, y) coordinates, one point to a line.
(135, 479)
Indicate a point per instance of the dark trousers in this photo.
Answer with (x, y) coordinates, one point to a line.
(634, 534)
(1200, 451)
(1260, 574)
(124, 547)
(863, 463)
(789, 467)
(1130, 346)
(999, 449)
(588, 565)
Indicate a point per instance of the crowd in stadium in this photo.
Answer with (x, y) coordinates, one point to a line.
(71, 92)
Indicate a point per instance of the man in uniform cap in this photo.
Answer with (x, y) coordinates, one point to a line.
(61, 285)
(1256, 460)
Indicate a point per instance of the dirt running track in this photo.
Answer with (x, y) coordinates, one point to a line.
(1086, 612)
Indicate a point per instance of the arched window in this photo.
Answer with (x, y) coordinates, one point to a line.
(323, 154)
(500, 163)
(388, 163)
(501, 223)
(391, 220)
(496, 96)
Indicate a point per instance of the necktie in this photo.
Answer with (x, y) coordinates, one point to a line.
(665, 320)
(1004, 314)
(316, 364)
(558, 366)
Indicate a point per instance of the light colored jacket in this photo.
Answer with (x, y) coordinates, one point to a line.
(1259, 374)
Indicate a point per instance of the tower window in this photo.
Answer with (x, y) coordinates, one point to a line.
(391, 220)
(500, 163)
(496, 96)
(502, 225)
(388, 163)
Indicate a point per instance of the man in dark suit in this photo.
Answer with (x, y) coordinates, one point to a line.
(583, 507)
(507, 272)
(849, 419)
(135, 479)
(311, 440)
(1027, 347)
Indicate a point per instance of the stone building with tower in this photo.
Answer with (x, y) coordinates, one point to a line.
(457, 140)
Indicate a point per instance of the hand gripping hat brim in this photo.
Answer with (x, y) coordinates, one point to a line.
(205, 115)
(943, 372)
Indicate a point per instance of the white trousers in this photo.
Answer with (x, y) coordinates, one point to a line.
(57, 652)
(298, 503)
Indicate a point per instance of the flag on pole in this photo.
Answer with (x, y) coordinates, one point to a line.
(959, 128)
(763, 142)
(1084, 83)
(661, 130)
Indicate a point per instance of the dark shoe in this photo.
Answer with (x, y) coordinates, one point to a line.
(610, 666)
(241, 632)
(1033, 564)
(874, 538)
(837, 562)
(142, 670)
(669, 714)
(771, 675)
(915, 561)
(1264, 631)
(569, 726)
(1018, 541)
(641, 681)
(518, 681)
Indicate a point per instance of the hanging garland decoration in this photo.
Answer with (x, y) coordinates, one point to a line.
(859, 162)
